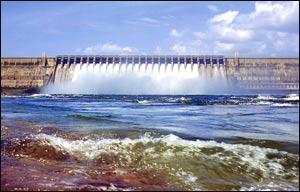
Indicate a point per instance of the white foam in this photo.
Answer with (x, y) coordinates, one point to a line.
(270, 103)
(40, 95)
(292, 97)
(183, 99)
(171, 140)
(284, 104)
(164, 153)
(144, 101)
(266, 97)
(263, 103)
(11, 96)
(90, 149)
(271, 187)
(27, 96)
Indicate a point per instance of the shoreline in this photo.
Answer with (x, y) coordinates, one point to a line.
(36, 90)
(13, 90)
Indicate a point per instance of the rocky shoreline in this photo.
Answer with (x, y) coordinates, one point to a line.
(10, 90)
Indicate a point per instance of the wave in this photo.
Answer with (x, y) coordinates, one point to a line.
(9, 96)
(275, 104)
(266, 161)
(271, 186)
(144, 101)
(185, 100)
(40, 95)
(266, 97)
(260, 100)
(27, 96)
(199, 164)
(291, 97)
(91, 118)
(284, 104)
(263, 103)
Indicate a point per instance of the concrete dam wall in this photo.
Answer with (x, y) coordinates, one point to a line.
(264, 73)
(26, 72)
(242, 72)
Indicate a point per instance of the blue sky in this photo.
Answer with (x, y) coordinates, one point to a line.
(157, 27)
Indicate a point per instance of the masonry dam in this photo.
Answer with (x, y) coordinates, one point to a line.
(251, 74)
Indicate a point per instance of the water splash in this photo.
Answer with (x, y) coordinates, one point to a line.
(140, 79)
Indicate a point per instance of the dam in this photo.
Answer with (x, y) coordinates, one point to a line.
(243, 73)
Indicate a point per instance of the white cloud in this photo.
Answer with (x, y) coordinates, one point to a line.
(282, 41)
(271, 28)
(261, 47)
(149, 20)
(109, 48)
(127, 49)
(282, 16)
(281, 34)
(213, 8)
(146, 21)
(78, 50)
(273, 10)
(167, 17)
(158, 50)
(175, 33)
(199, 35)
(226, 17)
(221, 48)
(179, 49)
(229, 33)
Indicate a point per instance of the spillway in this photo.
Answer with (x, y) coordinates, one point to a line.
(140, 75)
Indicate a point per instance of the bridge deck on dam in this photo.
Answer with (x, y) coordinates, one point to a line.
(141, 59)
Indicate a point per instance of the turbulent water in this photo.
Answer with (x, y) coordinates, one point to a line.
(148, 142)
(141, 79)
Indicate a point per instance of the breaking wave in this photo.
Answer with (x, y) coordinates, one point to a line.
(195, 163)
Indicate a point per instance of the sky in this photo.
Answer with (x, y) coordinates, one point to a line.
(262, 29)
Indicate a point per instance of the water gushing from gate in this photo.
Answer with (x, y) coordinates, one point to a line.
(139, 78)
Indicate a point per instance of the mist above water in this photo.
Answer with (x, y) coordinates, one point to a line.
(143, 79)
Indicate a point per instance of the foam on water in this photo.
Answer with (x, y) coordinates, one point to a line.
(168, 152)
(37, 95)
(271, 186)
(284, 104)
(292, 97)
(266, 97)
(144, 101)
(40, 95)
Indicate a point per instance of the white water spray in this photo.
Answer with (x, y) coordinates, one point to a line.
(141, 79)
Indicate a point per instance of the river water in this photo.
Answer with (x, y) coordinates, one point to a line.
(149, 142)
